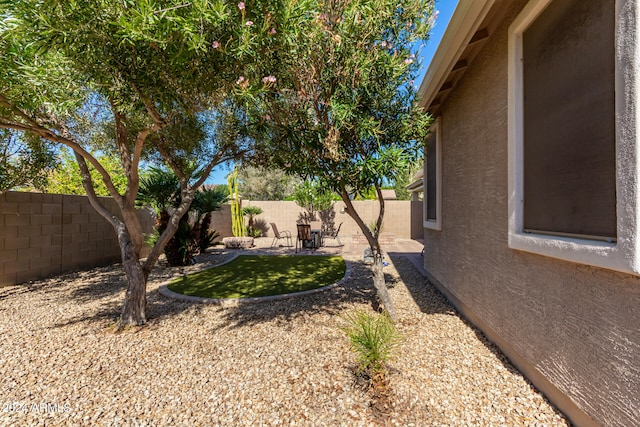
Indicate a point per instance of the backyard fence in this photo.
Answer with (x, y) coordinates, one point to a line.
(402, 219)
(43, 235)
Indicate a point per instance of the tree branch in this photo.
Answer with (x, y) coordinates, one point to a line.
(148, 105)
(64, 138)
(87, 184)
(381, 213)
(373, 241)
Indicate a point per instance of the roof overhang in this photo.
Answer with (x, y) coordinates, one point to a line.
(416, 185)
(472, 23)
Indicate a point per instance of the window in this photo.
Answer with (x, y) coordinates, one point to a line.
(432, 178)
(566, 169)
(568, 78)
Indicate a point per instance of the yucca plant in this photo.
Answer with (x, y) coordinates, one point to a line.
(373, 337)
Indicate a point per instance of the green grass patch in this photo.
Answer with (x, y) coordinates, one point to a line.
(262, 275)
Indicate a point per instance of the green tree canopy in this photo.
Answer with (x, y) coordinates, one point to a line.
(66, 178)
(25, 161)
(136, 80)
(259, 183)
(344, 112)
(313, 198)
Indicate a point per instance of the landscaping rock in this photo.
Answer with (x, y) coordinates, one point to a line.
(282, 363)
(238, 242)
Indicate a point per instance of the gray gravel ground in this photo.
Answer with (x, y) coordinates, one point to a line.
(281, 363)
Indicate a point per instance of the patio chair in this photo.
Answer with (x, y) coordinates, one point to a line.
(304, 236)
(332, 234)
(277, 235)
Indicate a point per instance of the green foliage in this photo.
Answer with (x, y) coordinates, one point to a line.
(258, 183)
(405, 178)
(374, 338)
(210, 199)
(161, 191)
(205, 202)
(312, 197)
(206, 238)
(346, 112)
(24, 161)
(251, 212)
(148, 81)
(262, 275)
(67, 179)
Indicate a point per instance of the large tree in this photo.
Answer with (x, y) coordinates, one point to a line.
(25, 161)
(150, 78)
(344, 111)
(259, 183)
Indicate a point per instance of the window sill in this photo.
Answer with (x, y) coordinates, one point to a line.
(596, 253)
(432, 225)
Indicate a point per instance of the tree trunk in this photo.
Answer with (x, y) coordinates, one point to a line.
(134, 310)
(379, 282)
(135, 301)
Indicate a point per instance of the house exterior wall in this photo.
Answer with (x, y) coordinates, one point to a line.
(571, 328)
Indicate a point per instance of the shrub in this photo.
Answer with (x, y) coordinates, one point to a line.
(373, 337)
(251, 212)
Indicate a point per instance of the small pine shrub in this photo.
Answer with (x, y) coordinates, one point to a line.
(373, 337)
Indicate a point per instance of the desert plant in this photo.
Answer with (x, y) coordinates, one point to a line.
(207, 238)
(161, 191)
(373, 337)
(204, 203)
(237, 226)
(251, 212)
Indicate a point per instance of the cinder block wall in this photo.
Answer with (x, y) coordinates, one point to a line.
(42, 235)
(403, 218)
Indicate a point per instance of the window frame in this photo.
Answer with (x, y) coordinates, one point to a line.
(427, 223)
(621, 255)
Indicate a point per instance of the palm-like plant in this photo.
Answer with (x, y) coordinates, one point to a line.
(161, 191)
(251, 212)
(204, 203)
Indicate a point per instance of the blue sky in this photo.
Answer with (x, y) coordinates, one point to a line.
(445, 9)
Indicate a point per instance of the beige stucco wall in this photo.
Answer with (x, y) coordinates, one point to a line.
(401, 217)
(577, 326)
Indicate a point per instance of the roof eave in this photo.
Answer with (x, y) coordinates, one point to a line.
(416, 185)
(466, 20)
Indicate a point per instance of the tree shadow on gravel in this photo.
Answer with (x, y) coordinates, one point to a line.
(356, 289)
(98, 283)
(107, 286)
(15, 290)
(431, 301)
(426, 296)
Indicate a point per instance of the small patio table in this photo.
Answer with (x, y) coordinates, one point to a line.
(316, 233)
